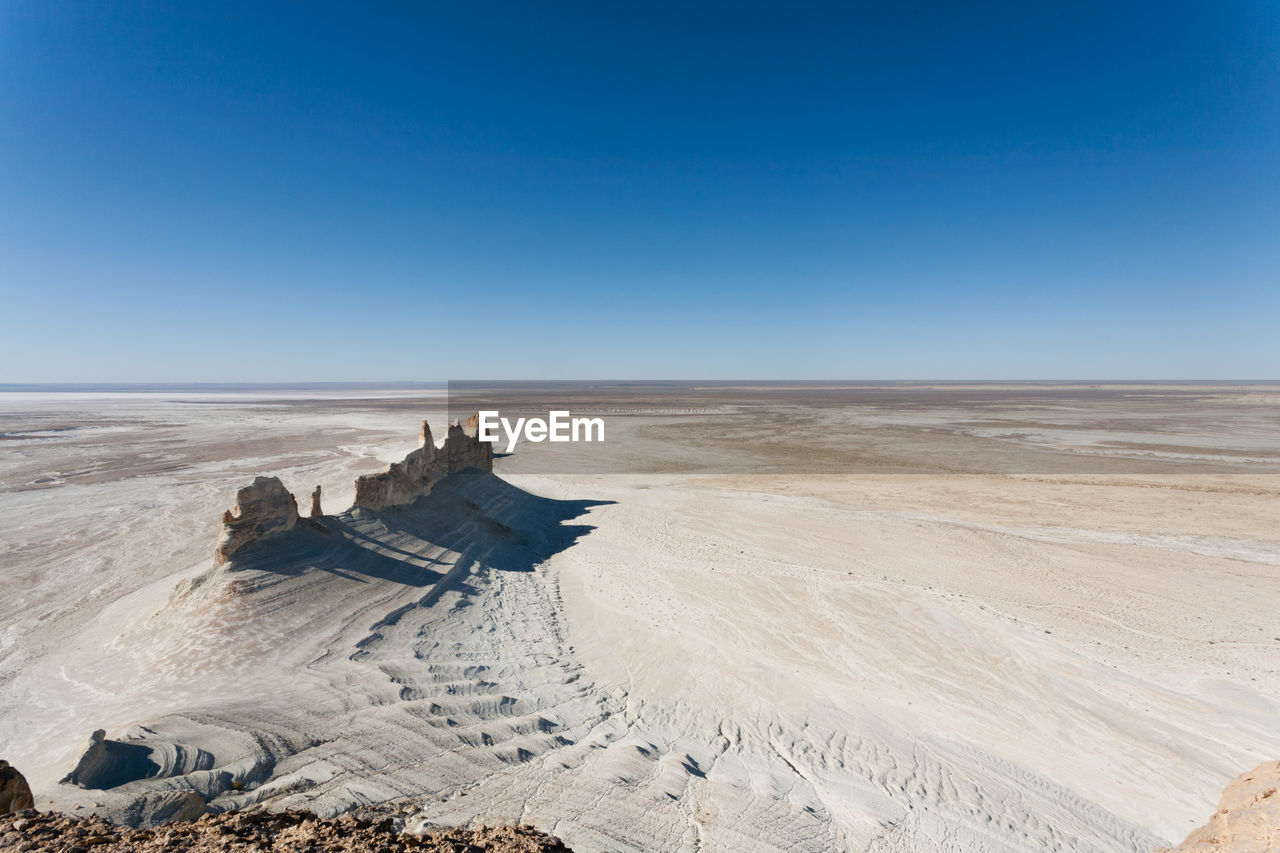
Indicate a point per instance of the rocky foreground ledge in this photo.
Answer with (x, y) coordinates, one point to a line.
(372, 829)
(279, 832)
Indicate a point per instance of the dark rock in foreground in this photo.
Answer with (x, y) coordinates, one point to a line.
(285, 832)
(15, 794)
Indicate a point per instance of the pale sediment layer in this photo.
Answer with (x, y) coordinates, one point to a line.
(1040, 623)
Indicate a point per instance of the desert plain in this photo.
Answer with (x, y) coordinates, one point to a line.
(817, 616)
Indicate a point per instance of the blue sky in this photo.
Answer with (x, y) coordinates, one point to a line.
(289, 192)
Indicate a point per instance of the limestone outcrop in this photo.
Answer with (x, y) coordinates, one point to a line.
(262, 509)
(266, 507)
(1248, 816)
(15, 793)
(406, 481)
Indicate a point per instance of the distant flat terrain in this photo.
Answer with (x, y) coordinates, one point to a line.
(759, 616)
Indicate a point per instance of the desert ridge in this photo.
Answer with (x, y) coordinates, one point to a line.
(266, 507)
(828, 622)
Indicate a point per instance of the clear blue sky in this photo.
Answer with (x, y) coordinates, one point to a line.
(312, 191)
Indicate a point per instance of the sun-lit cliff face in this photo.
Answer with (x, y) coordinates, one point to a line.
(262, 508)
(1247, 819)
(266, 507)
(406, 481)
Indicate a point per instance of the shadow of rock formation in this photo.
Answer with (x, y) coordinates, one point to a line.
(471, 518)
(108, 763)
(321, 571)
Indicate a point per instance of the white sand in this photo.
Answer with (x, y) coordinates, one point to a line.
(960, 645)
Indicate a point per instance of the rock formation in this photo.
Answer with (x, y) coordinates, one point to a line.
(15, 794)
(107, 763)
(403, 482)
(1248, 816)
(267, 507)
(262, 509)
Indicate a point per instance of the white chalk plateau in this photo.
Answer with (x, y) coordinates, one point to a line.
(920, 619)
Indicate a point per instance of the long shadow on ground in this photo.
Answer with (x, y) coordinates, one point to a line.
(479, 517)
(469, 520)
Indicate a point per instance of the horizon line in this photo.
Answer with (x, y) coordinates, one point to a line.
(65, 385)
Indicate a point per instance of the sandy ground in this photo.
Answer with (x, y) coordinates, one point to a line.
(903, 618)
